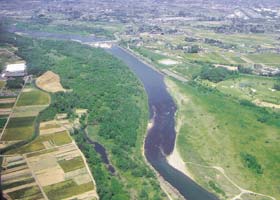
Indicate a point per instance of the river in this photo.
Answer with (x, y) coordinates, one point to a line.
(161, 136)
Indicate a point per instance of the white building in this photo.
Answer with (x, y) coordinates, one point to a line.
(15, 70)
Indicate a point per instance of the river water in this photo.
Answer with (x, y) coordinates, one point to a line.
(161, 137)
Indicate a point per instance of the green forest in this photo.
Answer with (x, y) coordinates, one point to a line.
(116, 102)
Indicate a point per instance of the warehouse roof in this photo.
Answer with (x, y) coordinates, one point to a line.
(15, 67)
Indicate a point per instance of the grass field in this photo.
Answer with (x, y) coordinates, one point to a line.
(72, 164)
(251, 88)
(20, 128)
(218, 131)
(33, 97)
(66, 189)
(265, 58)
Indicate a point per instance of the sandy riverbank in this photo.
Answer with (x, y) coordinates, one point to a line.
(171, 192)
(175, 159)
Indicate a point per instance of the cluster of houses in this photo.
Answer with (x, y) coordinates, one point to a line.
(266, 70)
(15, 70)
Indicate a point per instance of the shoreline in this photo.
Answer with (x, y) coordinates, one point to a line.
(175, 159)
(171, 192)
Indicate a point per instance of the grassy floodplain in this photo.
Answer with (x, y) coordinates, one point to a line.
(240, 137)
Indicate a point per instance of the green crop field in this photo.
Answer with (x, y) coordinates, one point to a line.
(6, 105)
(206, 57)
(66, 189)
(2, 122)
(57, 139)
(31, 193)
(34, 97)
(237, 136)
(72, 164)
(20, 128)
(2, 84)
(17, 183)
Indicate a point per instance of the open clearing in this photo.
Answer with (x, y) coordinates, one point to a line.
(49, 82)
(168, 62)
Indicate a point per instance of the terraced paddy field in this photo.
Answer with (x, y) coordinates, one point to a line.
(227, 146)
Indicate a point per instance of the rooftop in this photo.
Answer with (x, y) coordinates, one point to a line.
(15, 67)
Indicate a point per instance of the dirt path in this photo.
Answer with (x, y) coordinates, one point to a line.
(242, 190)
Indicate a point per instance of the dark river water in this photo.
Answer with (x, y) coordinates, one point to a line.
(161, 137)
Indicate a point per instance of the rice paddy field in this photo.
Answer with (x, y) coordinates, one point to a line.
(56, 164)
(33, 97)
(17, 181)
(19, 128)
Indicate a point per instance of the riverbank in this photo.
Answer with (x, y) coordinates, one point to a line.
(160, 140)
(171, 192)
(175, 159)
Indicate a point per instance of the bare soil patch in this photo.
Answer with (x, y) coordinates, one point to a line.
(50, 82)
